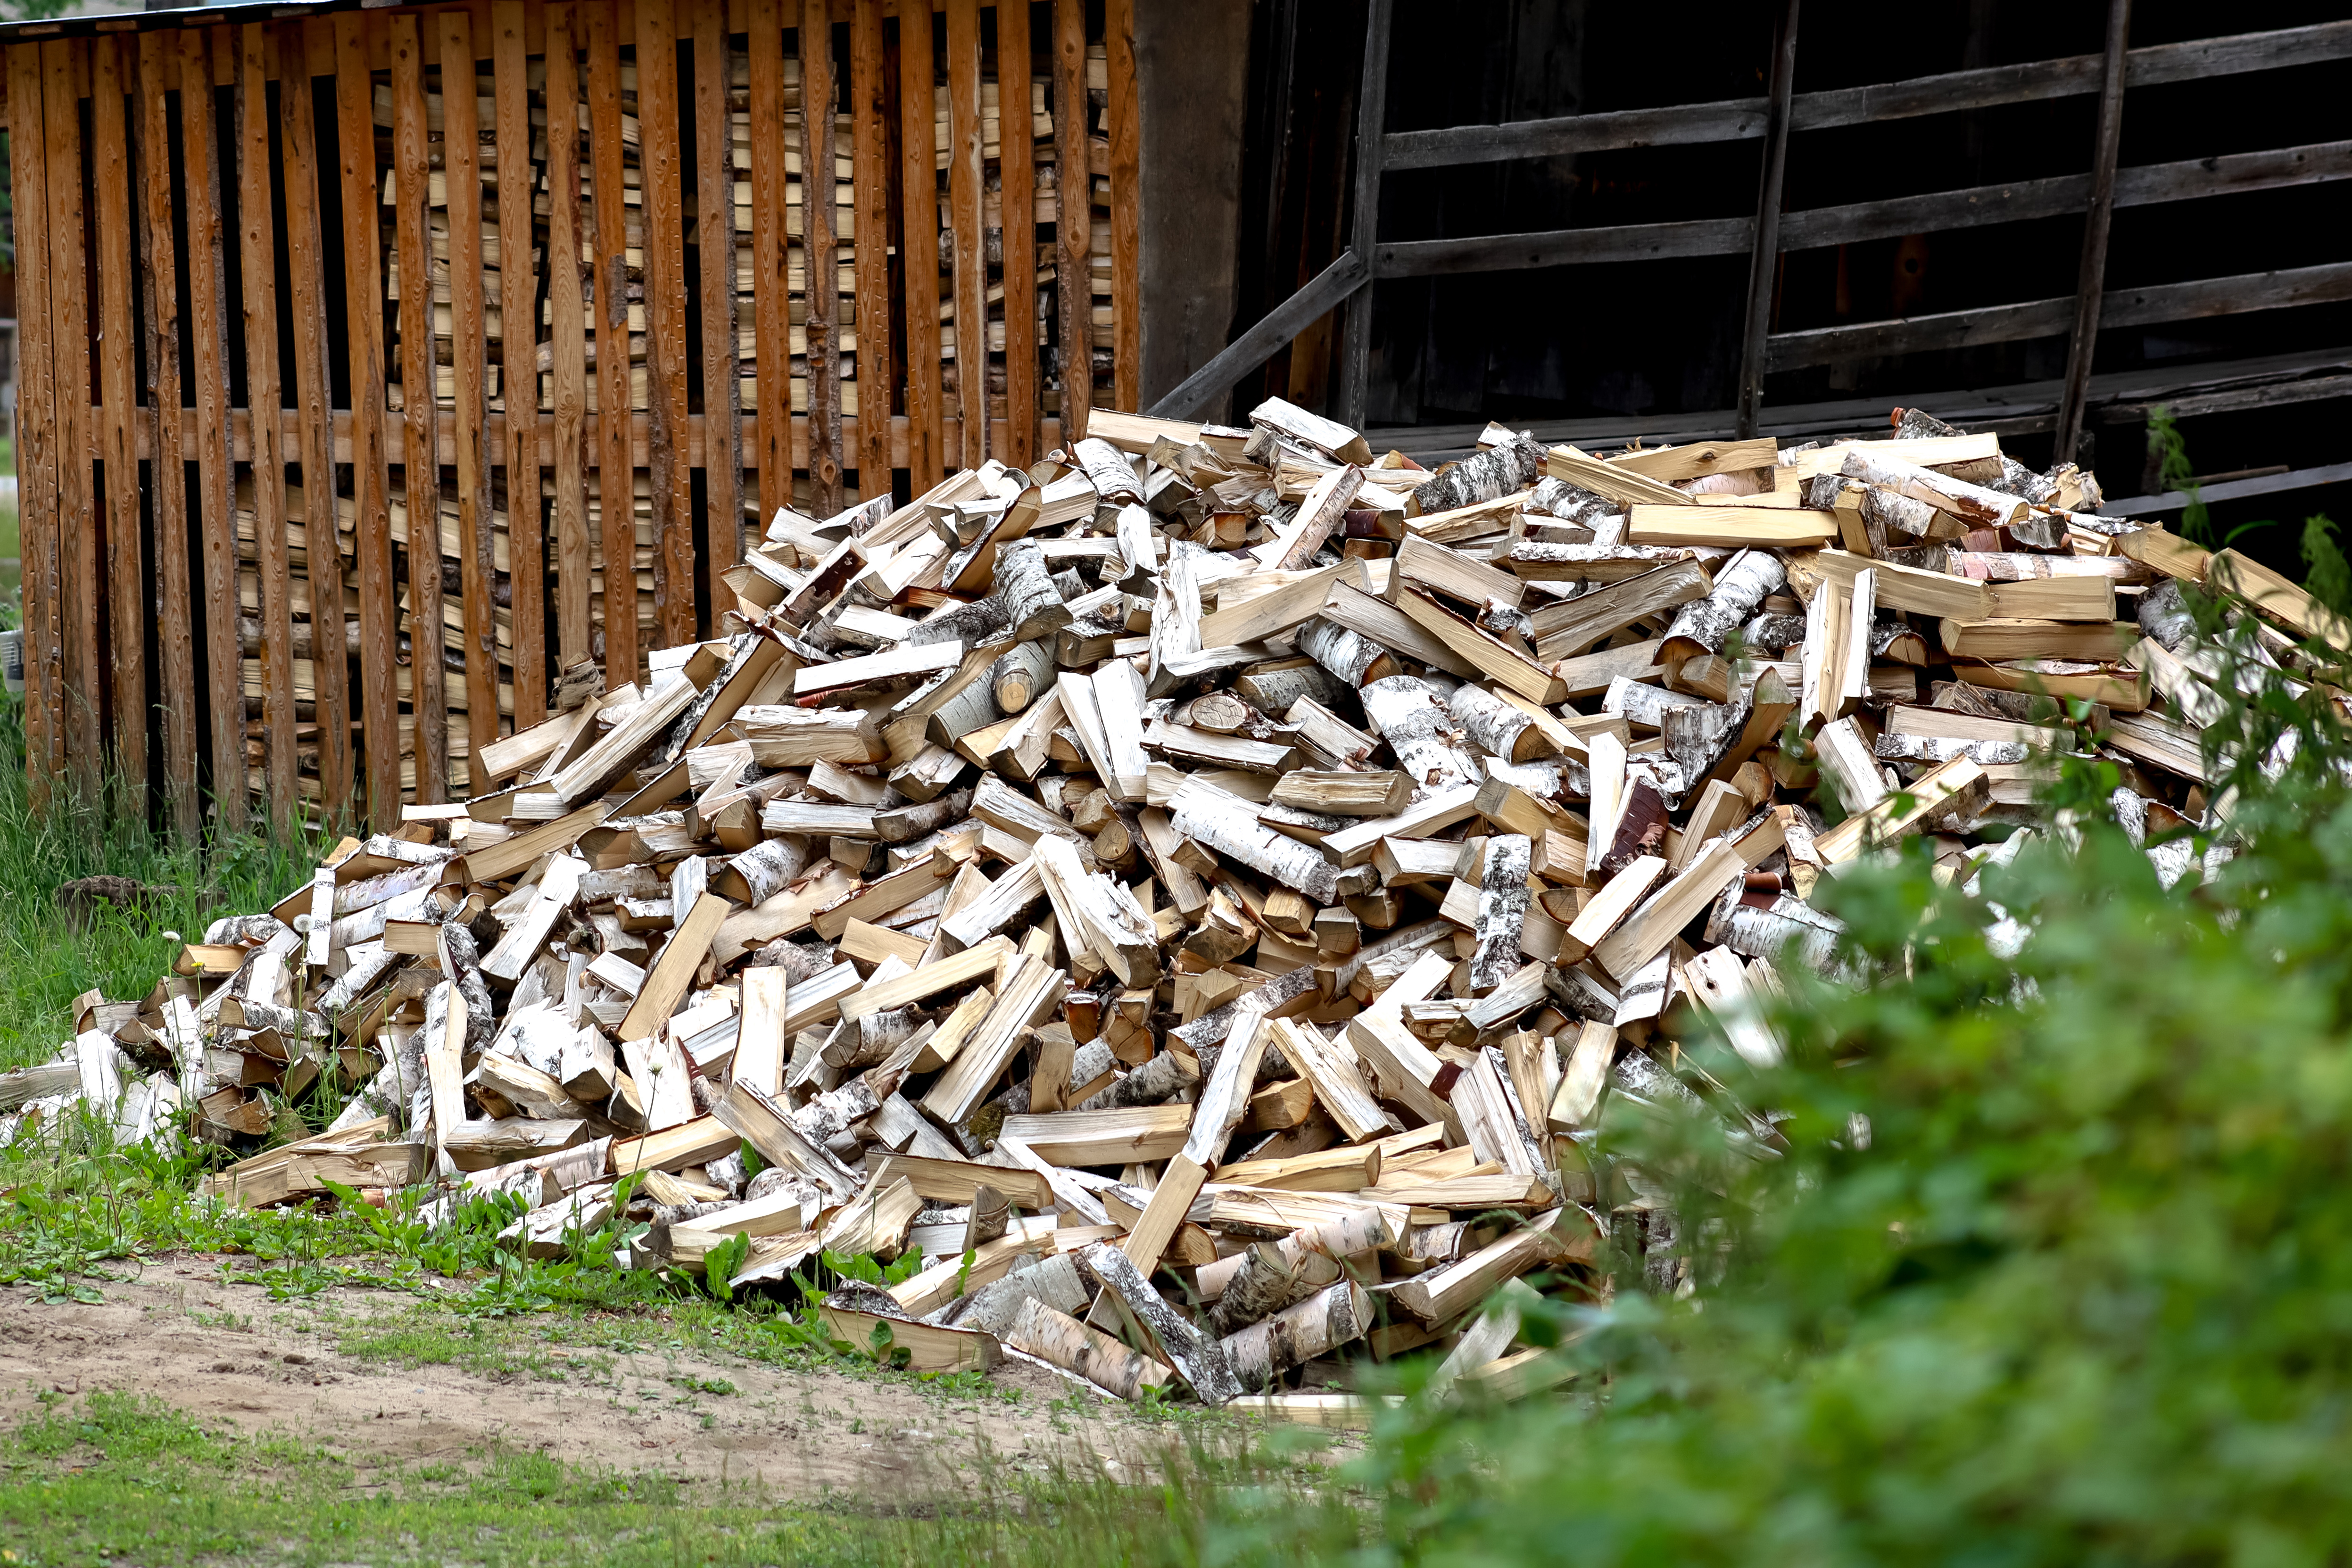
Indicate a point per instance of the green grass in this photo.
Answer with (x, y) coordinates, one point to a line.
(47, 963)
(110, 1478)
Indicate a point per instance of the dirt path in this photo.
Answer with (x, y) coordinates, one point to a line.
(227, 1354)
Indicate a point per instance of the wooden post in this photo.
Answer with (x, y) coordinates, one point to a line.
(869, 102)
(461, 144)
(1123, 121)
(667, 424)
(820, 292)
(1764, 262)
(616, 483)
(918, 90)
(519, 326)
(110, 64)
(1018, 213)
(35, 424)
(568, 343)
(723, 374)
(420, 456)
(2091, 284)
(1371, 118)
(209, 333)
(965, 178)
(1073, 218)
(175, 657)
(65, 64)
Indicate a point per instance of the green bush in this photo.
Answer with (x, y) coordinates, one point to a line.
(2055, 1265)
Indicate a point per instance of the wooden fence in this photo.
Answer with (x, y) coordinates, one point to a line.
(270, 263)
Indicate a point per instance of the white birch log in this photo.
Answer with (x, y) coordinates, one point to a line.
(1108, 470)
(1059, 1338)
(1488, 476)
(1229, 825)
(1742, 584)
(1348, 655)
(1972, 504)
(1405, 713)
(1022, 671)
(1502, 910)
(1494, 727)
(1033, 605)
(1330, 1318)
(1197, 1358)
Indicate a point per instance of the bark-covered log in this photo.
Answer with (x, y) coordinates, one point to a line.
(1741, 584)
(1230, 825)
(1973, 504)
(1502, 910)
(1108, 469)
(1020, 672)
(1786, 928)
(1418, 728)
(1059, 1338)
(1349, 656)
(1275, 687)
(1197, 1358)
(1489, 476)
(969, 622)
(1263, 1352)
(1033, 604)
(2165, 617)
(1268, 1278)
(764, 870)
(1494, 727)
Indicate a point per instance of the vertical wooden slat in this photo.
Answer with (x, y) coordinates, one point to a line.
(665, 355)
(869, 102)
(126, 570)
(461, 151)
(64, 62)
(820, 292)
(771, 285)
(2091, 280)
(314, 416)
(420, 451)
(36, 416)
(1018, 211)
(370, 470)
(257, 228)
(1764, 252)
(927, 453)
(616, 485)
(1125, 204)
(714, 229)
(964, 183)
(175, 655)
(568, 347)
(519, 319)
(1073, 217)
(208, 342)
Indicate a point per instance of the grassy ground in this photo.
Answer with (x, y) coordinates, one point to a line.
(106, 1479)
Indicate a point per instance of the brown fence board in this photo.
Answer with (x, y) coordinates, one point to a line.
(665, 290)
(176, 656)
(461, 142)
(615, 479)
(208, 341)
(1126, 127)
(64, 63)
(722, 371)
(770, 284)
(518, 330)
(965, 181)
(126, 571)
(819, 260)
(1073, 217)
(869, 104)
(567, 341)
(927, 450)
(420, 451)
(257, 231)
(36, 433)
(1017, 147)
(371, 466)
(314, 412)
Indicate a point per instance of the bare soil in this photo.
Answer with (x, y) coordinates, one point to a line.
(229, 1354)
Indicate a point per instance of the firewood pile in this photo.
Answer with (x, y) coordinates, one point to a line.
(1195, 900)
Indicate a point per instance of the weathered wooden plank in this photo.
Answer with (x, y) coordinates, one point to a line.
(616, 482)
(519, 324)
(567, 341)
(420, 453)
(965, 176)
(314, 414)
(1016, 151)
(64, 62)
(920, 220)
(257, 237)
(461, 144)
(175, 659)
(1125, 124)
(36, 433)
(665, 344)
(714, 229)
(770, 284)
(817, 100)
(869, 104)
(371, 469)
(110, 66)
(1073, 217)
(208, 337)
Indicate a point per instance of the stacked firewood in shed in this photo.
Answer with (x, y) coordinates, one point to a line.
(1196, 901)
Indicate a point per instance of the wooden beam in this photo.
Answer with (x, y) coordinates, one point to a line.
(1364, 217)
(2092, 280)
(820, 291)
(1764, 258)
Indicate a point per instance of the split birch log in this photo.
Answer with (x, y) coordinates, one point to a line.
(969, 622)
(1033, 605)
(1264, 1279)
(1197, 1358)
(1263, 1351)
(1229, 825)
(1350, 1235)
(1108, 469)
(1053, 1283)
(1489, 476)
(1019, 675)
(1406, 713)
(1319, 515)
(1348, 655)
(1494, 727)
(1503, 899)
(1059, 1338)
(1742, 584)
(760, 873)
(1972, 504)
